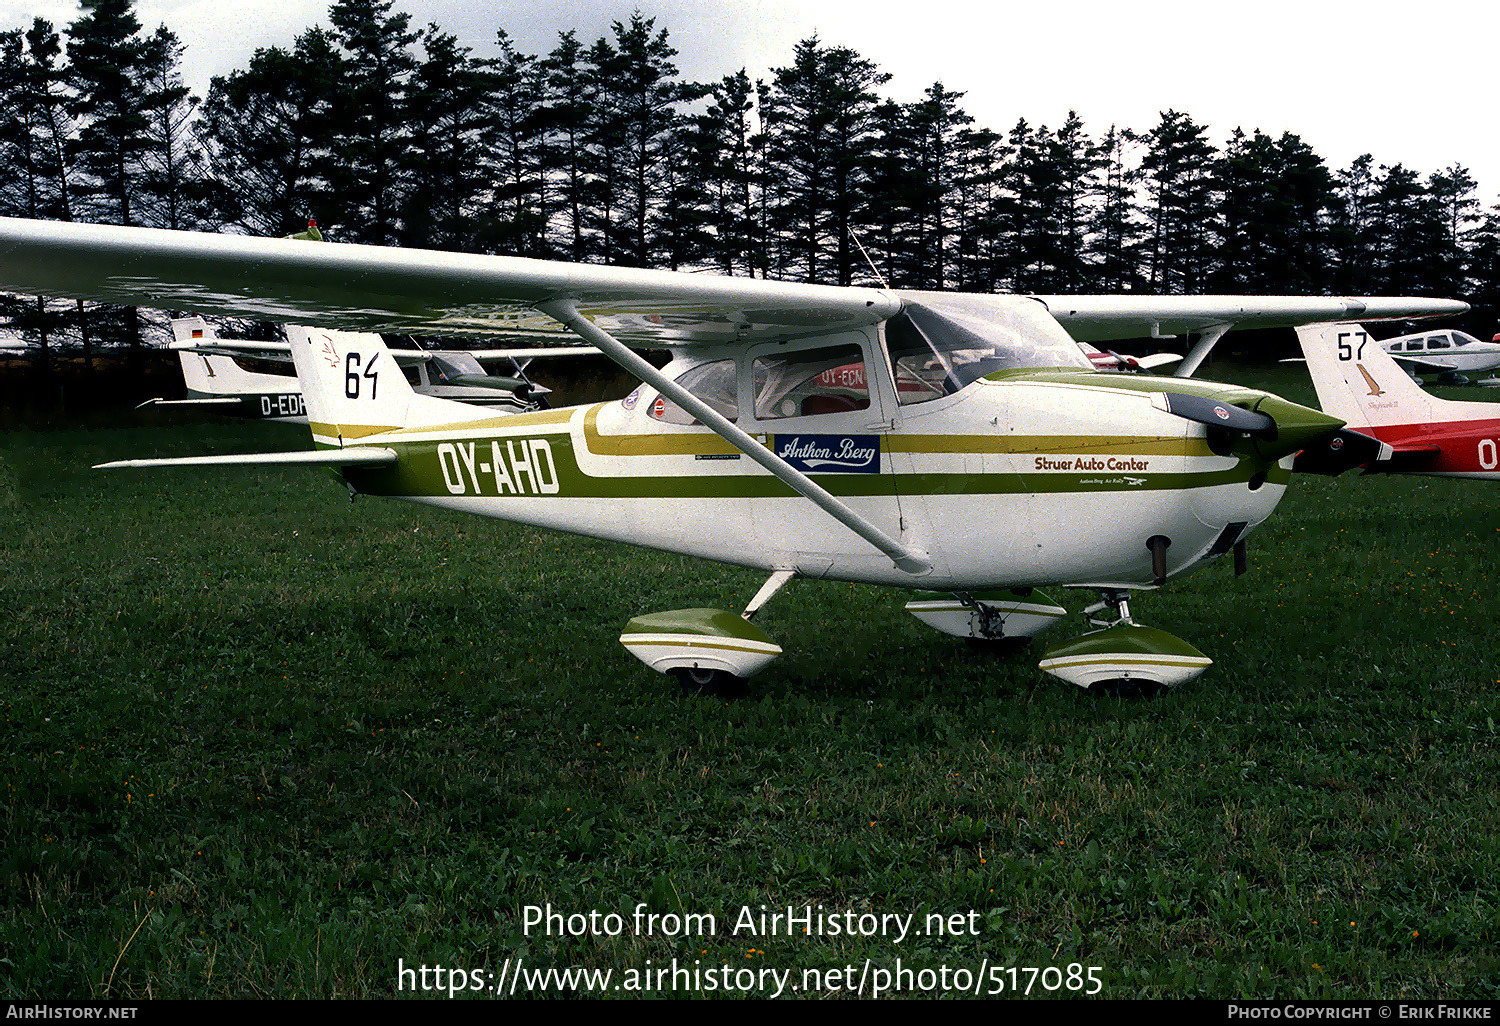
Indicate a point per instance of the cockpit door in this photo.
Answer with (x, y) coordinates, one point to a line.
(825, 407)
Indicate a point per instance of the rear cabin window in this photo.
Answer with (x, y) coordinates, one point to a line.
(711, 382)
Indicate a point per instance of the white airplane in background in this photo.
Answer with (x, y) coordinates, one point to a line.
(1413, 432)
(1448, 354)
(1111, 361)
(940, 442)
(215, 379)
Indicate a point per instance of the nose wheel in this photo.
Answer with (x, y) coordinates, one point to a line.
(1123, 657)
(1116, 599)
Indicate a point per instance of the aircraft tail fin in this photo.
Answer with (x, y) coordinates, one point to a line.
(211, 375)
(1358, 382)
(354, 388)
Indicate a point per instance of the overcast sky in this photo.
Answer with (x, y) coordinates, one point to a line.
(1347, 77)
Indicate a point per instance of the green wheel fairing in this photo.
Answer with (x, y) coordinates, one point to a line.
(707, 623)
(1124, 653)
(702, 641)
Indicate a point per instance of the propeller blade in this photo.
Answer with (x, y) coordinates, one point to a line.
(1219, 414)
(1340, 451)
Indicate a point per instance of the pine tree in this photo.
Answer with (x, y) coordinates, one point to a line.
(35, 177)
(448, 110)
(372, 140)
(268, 131)
(1116, 225)
(639, 101)
(1178, 170)
(110, 73)
(171, 170)
(108, 68)
(722, 155)
(915, 177)
(821, 115)
(1080, 162)
(1273, 216)
(978, 158)
(1456, 204)
(1351, 235)
(1484, 269)
(565, 119)
(34, 125)
(1408, 231)
(1055, 182)
(516, 154)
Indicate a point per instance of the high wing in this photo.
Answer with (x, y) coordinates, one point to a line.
(1106, 318)
(372, 288)
(281, 352)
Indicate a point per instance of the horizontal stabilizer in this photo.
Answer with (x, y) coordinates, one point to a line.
(357, 456)
(1156, 360)
(224, 400)
(1407, 458)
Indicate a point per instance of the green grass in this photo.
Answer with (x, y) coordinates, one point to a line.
(260, 741)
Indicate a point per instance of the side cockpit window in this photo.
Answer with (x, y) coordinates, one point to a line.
(810, 382)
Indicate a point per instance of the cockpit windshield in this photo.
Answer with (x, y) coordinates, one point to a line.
(453, 364)
(939, 345)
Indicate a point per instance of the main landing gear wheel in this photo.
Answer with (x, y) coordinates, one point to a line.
(700, 680)
(1125, 687)
(709, 651)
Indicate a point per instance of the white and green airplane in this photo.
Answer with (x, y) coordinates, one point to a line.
(958, 445)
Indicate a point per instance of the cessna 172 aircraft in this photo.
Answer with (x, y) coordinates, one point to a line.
(942, 442)
(215, 379)
(1359, 382)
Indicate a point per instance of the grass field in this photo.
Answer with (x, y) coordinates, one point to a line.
(259, 741)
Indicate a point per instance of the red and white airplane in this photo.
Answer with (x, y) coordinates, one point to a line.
(1359, 382)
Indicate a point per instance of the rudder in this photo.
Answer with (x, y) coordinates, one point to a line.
(1357, 381)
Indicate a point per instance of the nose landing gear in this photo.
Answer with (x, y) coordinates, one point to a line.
(1124, 657)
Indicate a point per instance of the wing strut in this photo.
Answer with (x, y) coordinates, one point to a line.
(1199, 352)
(565, 312)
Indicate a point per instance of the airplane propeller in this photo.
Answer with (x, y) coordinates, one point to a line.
(1220, 414)
(1277, 427)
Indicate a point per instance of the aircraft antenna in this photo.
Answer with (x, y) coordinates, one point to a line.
(878, 276)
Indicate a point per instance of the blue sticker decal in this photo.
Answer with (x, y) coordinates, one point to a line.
(829, 454)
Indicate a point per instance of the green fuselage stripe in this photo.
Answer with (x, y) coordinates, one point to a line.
(523, 472)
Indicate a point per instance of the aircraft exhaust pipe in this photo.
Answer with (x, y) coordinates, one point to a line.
(1158, 544)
